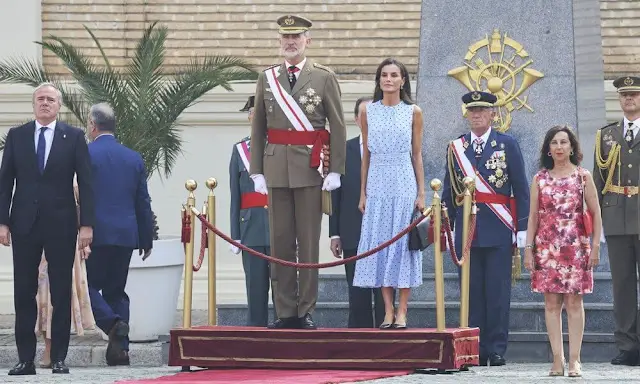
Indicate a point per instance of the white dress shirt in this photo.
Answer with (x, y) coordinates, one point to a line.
(300, 65)
(635, 127)
(48, 136)
(484, 137)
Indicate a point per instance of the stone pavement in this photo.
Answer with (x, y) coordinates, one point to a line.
(510, 374)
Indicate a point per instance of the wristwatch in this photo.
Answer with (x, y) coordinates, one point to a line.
(528, 246)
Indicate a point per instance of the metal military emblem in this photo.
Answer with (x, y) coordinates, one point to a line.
(498, 64)
(310, 100)
(497, 163)
(628, 81)
(476, 96)
(289, 21)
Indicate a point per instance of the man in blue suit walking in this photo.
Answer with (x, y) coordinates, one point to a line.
(124, 222)
(495, 161)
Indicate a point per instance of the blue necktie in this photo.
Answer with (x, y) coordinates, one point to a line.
(42, 145)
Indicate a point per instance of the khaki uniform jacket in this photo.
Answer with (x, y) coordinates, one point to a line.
(288, 166)
(619, 212)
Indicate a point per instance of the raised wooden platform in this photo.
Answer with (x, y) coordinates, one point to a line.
(329, 348)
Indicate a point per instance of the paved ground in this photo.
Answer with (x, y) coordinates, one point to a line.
(87, 365)
(511, 374)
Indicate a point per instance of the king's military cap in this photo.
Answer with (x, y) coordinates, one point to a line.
(293, 25)
(479, 99)
(627, 84)
(250, 103)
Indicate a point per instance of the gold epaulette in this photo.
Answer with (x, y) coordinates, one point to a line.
(323, 67)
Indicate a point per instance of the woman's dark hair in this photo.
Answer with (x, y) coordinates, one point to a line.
(546, 161)
(405, 90)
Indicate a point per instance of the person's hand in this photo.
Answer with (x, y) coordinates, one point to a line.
(235, 250)
(259, 183)
(336, 247)
(145, 253)
(331, 182)
(5, 235)
(84, 253)
(420, 202)
(528, 259)
(361, 204)
(594, 257)
(85, 237)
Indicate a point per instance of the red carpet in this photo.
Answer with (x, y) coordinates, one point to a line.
(269, 376)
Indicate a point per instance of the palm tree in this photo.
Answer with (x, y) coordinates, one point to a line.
(146, 101)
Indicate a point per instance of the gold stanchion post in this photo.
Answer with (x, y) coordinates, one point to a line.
(437, 254)
(211, 245)
(191, 186)
(469, 184)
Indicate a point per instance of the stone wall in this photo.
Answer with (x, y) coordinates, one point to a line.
(351, 36)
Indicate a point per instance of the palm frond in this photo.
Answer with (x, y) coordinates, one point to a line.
(146, 102)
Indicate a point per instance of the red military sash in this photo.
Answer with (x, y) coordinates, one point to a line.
(291, 109)
(499, 207)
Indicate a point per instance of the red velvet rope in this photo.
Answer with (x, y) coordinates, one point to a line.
(203, 247)
(466, 252)
(272, 259)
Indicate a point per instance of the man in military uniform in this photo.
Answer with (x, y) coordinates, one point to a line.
(250, 226)
(616, 175)
(302, 159)
(495, 161)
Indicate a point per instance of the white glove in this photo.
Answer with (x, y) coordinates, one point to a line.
(260, 183)
(235, 250)
(331, 182)
(521, 239)
(602, 239)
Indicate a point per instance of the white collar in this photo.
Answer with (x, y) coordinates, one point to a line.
(300, 65)
(103, 134)
(51, 125)
(484, 137)
(635, 126)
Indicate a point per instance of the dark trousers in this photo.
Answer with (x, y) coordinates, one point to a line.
(624, 260)
(256, 273)
(59, 249)
(107, 271)
(361, 313)
(490, 296)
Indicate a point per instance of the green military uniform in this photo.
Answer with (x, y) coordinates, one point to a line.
(617, 177)
(294, 186)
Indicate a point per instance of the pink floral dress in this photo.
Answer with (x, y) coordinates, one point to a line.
(561, 247)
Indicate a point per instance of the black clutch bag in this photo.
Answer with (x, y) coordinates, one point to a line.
(421, 236)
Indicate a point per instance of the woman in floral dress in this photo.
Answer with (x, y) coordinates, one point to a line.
(559, 253)
(81, 313)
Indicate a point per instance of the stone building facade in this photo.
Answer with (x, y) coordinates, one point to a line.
(350, 36)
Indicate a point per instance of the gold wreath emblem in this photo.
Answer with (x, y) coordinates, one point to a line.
(628, 81)
(289, 21)
(476, 96)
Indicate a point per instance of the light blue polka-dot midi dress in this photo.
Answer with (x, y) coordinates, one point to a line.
(391, 195)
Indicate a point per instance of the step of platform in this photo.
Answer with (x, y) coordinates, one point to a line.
(333, 288)
(525, 317)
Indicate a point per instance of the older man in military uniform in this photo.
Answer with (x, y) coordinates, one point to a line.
(250, 226)
(616, 175)
(495, 161)
(294, 100)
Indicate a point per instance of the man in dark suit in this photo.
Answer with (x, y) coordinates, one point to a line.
(41, 158)
(249, 218)
(344, 230)
(123, 223)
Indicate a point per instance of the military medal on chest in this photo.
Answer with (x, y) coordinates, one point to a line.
(310, 100)
(497, 163)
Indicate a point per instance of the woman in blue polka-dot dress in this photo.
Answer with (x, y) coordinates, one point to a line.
(392, 188)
